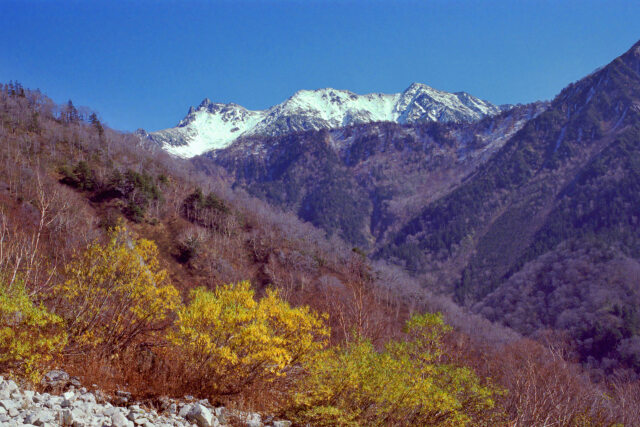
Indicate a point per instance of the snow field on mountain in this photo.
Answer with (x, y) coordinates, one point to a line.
(214, 126)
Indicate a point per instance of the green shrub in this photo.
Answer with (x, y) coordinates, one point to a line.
(81, 176)
(30, 336)
(207, 211)
(227, 340)
(138, 189)
(114, 293)
(405, 384)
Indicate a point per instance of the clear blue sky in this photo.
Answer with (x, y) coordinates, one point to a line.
(143, 63)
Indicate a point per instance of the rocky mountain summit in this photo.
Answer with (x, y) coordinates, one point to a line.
(78, 407)
(213, 126)
(362, 181)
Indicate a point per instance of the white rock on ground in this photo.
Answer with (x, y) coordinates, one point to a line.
(80, 408)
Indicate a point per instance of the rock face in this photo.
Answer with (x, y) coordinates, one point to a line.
(79, 408)
(214, 126)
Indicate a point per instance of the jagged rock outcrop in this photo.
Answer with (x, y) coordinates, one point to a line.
(213, 126)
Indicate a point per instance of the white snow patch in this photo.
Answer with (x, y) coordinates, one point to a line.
(215, 126)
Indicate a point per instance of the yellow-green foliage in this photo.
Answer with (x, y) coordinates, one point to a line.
(231, 340)
(30, 336)
(405, 384)
(115, 292)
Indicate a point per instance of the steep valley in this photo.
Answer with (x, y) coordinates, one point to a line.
(466, 206)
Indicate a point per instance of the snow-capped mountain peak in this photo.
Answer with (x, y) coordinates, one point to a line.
(213, 125)
(420, 102)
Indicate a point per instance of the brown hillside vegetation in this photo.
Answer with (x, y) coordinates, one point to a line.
(129, 269)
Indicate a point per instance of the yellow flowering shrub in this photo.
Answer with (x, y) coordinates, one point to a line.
(115, 292)
(30, 336)
(403, 385)
(228, 340)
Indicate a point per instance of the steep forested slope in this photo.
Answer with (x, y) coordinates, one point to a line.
(567, 173)
(363, 181)
(585, 288)
(81, 207)
(571, 173)
(66, 179)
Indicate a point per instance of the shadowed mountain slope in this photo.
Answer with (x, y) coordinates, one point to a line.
(362, 181)
(465, 206)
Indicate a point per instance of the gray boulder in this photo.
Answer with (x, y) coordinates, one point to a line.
(10, 386)
(184, 410)
(221, 414)
(202, 416)
(66, 417)
(119, 420)
(55, 378)
(28, 395)
(253, 420)
(38, 417)
(8, 404)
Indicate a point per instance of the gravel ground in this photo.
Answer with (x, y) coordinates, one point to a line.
(78, 407)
